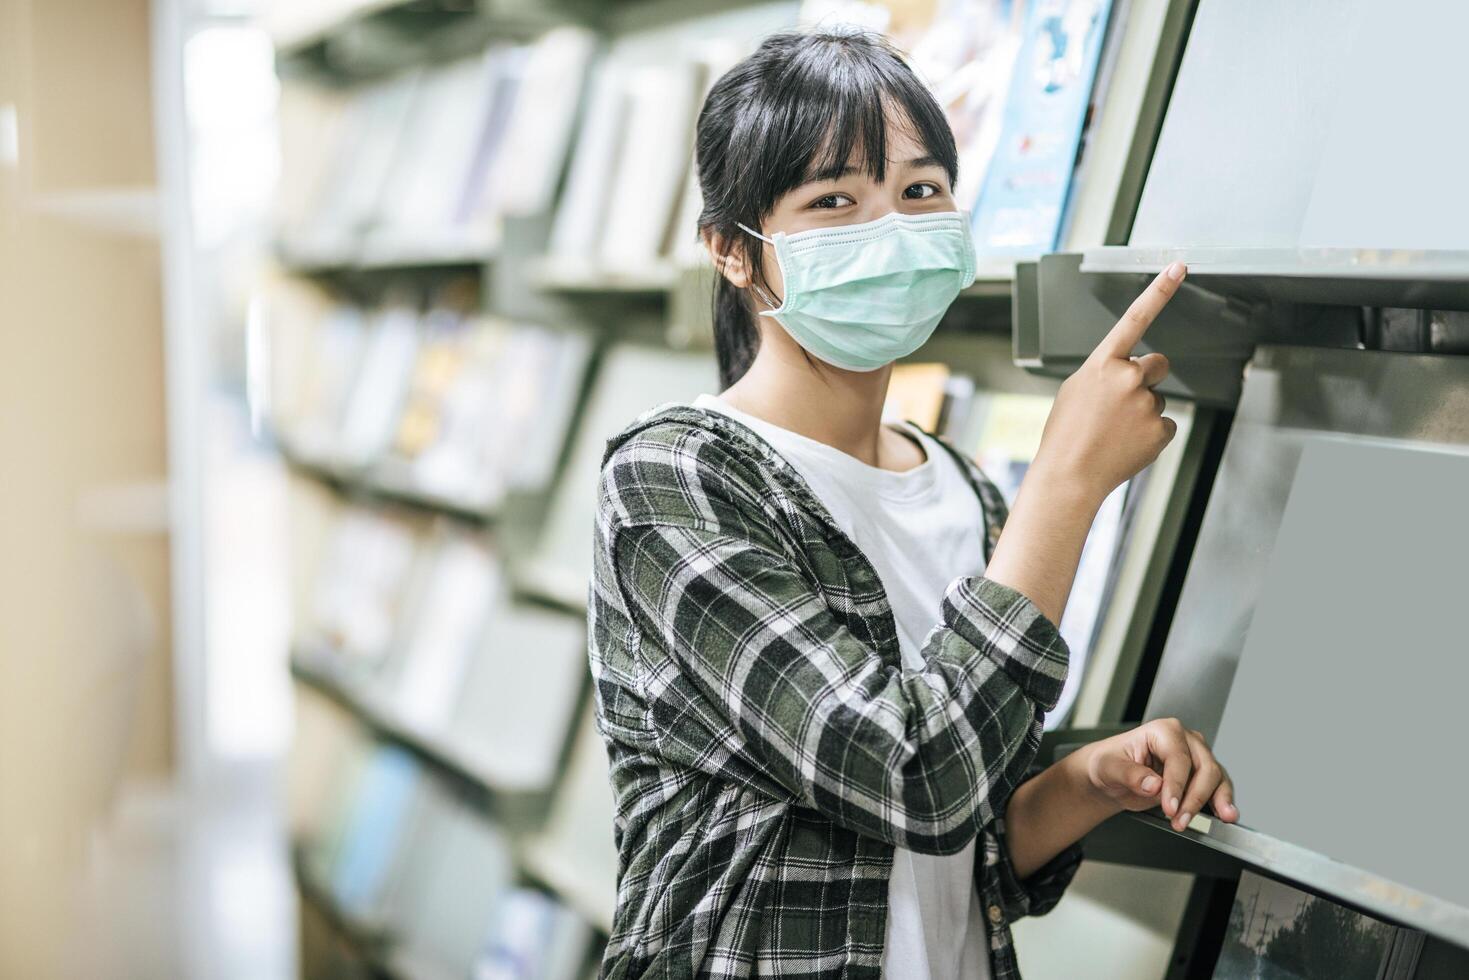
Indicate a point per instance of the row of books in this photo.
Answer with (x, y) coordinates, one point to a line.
(399, 854)
(395, 599)
(425, 166)
(436, 401)
(413, 619)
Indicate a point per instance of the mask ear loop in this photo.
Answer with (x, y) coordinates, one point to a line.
(764, 296)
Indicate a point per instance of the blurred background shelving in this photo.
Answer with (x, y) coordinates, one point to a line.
(487, 263)
(328, 308)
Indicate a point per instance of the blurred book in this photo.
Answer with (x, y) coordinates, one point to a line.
(457, 868)
(488, 410)
(310, 416)
(964, 50)
(540, 131)
(535, 937)
(383, 809)
(326, 823)
(361, 586)
(450, 611)
(916, 393)
(457, 117)
(371, 139)
(311, 123)
(586, 200)
(375, 402)
(573, 852)
(1003, 434)
(631, 380)
(651, 165)
(514, 718)
(714, 59)
(326, 739)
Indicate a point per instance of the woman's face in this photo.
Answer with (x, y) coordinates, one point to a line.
(914, 183)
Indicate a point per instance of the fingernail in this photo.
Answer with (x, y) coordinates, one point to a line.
(1173, 803)
(1175, 271)
(1183, 818)
(1150, 783)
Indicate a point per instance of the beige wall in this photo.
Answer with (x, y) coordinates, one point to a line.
(82, 450)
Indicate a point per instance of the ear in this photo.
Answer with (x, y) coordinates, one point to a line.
(727, 261)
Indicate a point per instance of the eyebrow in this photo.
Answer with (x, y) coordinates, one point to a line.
(846, 170)
(923, 161)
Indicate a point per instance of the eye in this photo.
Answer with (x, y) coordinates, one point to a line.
(917, 192)
(831, 201)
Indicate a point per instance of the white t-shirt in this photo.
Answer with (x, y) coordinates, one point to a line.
(921, 529)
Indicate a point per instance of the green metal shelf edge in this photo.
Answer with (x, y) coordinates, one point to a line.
(364, 480)
(1209, 846)
(1212, 847)
(1421, 278)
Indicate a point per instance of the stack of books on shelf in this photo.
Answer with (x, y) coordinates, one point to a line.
(436, 403)
(416, 628)
(423, 167)
(426, 885)
(628, 215)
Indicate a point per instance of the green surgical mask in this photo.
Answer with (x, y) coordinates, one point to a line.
(861, 296)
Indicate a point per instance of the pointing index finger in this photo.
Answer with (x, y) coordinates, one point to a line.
(1123, 337)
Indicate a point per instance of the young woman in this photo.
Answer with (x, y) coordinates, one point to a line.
(820, 669)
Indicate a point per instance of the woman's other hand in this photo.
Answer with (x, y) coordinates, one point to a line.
(1161, 763)
(1106, 423)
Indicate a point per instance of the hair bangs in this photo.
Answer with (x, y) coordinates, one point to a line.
(837, 100)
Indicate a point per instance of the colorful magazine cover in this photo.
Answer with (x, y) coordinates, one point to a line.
(1021, 205)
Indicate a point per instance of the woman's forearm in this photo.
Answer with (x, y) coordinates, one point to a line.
(1052, 810)
(1041, 543)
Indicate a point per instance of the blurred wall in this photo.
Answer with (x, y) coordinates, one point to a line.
(85, 686)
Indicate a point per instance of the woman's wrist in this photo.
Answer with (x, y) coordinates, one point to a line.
(1052, 810)
(1065, 485)
(1090, 798)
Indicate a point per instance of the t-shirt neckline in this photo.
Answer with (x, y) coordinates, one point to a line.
(893, 484)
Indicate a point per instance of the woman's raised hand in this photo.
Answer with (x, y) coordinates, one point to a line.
(1106, 423)
(1161, 763)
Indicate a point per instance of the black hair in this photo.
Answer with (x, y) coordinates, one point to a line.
(793, 112)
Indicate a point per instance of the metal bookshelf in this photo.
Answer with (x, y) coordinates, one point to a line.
(372, 39)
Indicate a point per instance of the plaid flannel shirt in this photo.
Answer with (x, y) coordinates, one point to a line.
(767, 748)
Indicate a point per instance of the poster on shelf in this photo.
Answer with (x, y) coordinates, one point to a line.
(1277, 932)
